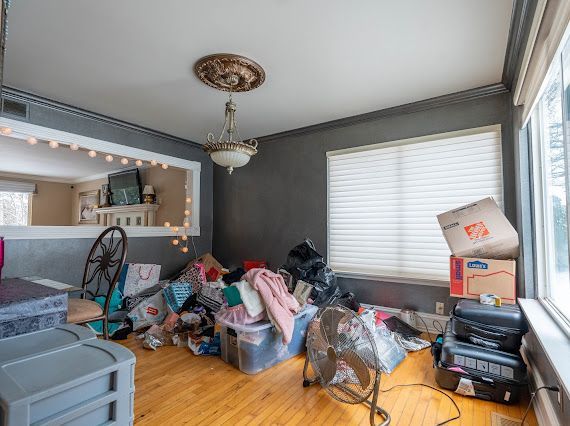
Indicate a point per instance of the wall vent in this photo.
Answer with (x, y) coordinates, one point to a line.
(502, 420)
(16, 109)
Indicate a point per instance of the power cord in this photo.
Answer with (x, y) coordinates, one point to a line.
(440, 329)
(435, 389)
(550, 388)
(194, 245)
(425, 325)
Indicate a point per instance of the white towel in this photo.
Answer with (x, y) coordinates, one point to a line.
(250, 298)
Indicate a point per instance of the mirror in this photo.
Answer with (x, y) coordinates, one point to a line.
(47, 182)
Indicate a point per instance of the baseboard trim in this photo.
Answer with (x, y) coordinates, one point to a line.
(543, 408)
(428, 318)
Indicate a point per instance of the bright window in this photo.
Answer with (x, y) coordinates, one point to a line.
(383, 201)
(550, 138)
(14, 208)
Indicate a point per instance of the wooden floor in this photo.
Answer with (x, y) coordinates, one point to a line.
(174, 387)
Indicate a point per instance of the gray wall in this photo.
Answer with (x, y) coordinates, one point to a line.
(265, 208)
(64, 259)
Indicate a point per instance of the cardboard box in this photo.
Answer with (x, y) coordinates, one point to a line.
(470, 277)
(481, 230)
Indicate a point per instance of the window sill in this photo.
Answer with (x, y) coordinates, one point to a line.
(388, 279)
(552, 339)
(84, 231)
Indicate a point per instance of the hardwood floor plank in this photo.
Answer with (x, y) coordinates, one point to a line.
(175, 387)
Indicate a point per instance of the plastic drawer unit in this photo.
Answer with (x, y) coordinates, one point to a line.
(25, 345)
(82, 382)
(256, 347)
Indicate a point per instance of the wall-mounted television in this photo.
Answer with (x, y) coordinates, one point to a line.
(125, 187)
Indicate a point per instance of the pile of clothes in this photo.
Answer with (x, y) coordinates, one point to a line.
(185, 310)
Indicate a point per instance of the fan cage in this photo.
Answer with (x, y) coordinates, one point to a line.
(351, 335)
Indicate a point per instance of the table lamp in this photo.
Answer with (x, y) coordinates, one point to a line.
(148, 193)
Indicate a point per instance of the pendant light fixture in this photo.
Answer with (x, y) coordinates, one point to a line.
(230, 73)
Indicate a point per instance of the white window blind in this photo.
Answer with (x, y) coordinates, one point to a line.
(15, 186)
(383, 201)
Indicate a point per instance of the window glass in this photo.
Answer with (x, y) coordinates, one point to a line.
(14, 208)
(551, 174)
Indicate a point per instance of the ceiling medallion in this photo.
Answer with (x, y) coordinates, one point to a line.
(230, 73)
(216, 70)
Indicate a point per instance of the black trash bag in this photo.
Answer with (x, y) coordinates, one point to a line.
(304, 263)
(348, 300)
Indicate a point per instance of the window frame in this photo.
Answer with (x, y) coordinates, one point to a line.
(400, 142)
(537, 174)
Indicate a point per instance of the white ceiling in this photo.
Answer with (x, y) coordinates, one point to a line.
(325, 59)
(60, 164)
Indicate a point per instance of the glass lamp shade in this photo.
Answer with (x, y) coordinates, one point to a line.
(230, 159)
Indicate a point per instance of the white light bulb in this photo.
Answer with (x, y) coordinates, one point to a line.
(188, 200)
(32, 141)
(6, 131)
(167, 224)
(174, 229)
(175, 242)
(186, 212)
(184, 249)
(164, 166)
(139, 163)
(153, 162)
(184, 237)
(124, 161)
(92, 154)
(186, 225)
(108, 158)
(74, 147)
(53, 144)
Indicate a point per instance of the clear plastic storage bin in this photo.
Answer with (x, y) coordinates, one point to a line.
(256, 347)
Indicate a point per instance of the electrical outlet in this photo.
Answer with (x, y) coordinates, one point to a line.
(439, 308)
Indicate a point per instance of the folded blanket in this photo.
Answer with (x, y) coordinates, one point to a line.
(280, 304)
(250, 298)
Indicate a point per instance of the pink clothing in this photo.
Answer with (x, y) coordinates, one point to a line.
(280, 304)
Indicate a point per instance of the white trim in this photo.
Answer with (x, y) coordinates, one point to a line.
(544, 410)
(65, 138)
(428, 318)
(382, 278)
(419, 139)
(552, 339)
(83, 231)
(20, 176)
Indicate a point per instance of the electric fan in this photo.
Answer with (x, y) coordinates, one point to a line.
(344, 358)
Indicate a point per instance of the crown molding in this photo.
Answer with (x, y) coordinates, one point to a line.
(426, 104)
(22, 96)
(520, 16)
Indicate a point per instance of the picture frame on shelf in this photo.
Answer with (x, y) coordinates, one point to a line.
(88, 202)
